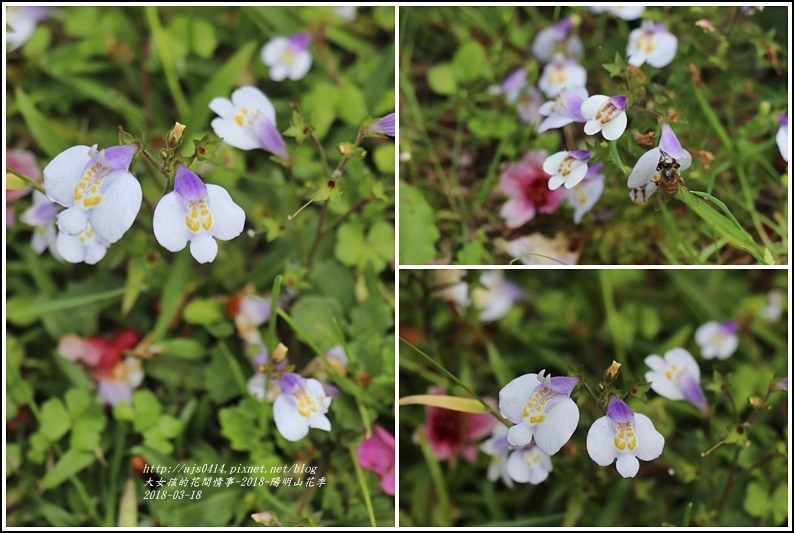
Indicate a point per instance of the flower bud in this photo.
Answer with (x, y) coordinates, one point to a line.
(174, 137)
(611, 373)
(280, 353)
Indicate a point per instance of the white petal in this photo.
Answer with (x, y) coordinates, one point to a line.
(289, 422)
(169, 225)
(645, 168)
(228, 218)
(234, 134)
(552, 163)
(592, 127)
(279, 72)
(665, 49)
(223, 107)
(636, 59)
(615, 127)
(558, 426)
(650, 442)
(576, 176)
(553, 122)
(94, 252)
(320, 421)
(63, 173)
(204, 248)
(271, 52)
(70, 248)
(601, 442)
(72, 221)
(591, 106)
(683, 359)
(252, 98)
(301, 65)
(121, 201)
(555, 182)
(656, 363)
(519, 435)
(663, 386)
(514, 396)
(627, 465)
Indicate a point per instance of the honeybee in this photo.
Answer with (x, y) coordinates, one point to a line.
(669, 179)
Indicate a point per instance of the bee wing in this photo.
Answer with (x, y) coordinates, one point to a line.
(645, 168)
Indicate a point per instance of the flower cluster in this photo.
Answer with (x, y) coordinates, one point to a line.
(546, 417)
(492, 300)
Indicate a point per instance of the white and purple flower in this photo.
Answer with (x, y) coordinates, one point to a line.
(196, 213)
(561, 73)
(384, 125)
(498, 447)
(625, 436)
(542, 409)
(557, 38)
(96, 188)
(606, 114)
(301, 405)
(20, 24)
(248, 122)
(651, 43)
(288, 57)
(676, 377)
(585, 195)
(41, 215)
(717, 339)
(566, 168)
(529, 464)
(496, 297)
(563, 110)
(644, 177)
(85, 247)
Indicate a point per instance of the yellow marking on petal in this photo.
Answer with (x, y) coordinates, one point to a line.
(536, 419)
(306, 404)
(90, 202)
(77, 195)
(239, 120)
(632, 444)
(192, 224)
(207, 223)
(620, 444)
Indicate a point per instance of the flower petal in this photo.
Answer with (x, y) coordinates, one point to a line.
(552, 433)
(63, 173)
(94, 253)
(644, 169)
(251, 97)
(169, 225)
(204, 248)
(519, 435)
(234, 135)
(223, 107)
(665, 45)
(228, 218)
(517, 212)
(514, 396)
(600, 442)
(627, 465)
(681, 357)
(121, 201)
(72, 221)
(289, 422)
(319, 421)
(300, 66)
(576, 176)
(650, 442)
(614, 128)
(590, 107)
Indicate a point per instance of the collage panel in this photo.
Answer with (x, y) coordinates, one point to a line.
(559, 135)
(199, 266)
(594, 398)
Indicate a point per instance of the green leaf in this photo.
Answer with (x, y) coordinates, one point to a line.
(84, 436)
(441, 79)
(384, 158)
(240, 424)
(203, 312)
(319, 107)
(182, 348)
(70, 463)
(756, 500)
(469, 61)
(22, 311)
(418, 231)
(317, 317)
(372, 318)
(453, 403)
(46, 137)
(54, 419)
(204, 41)
(351, 105)
(147, 410)
(224, 377)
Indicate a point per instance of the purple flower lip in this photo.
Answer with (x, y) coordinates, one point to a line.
(619, 411)
(729, 327)
(188, 185)
(669, 142)
(783, 120)
(619, 101)
(300, 41)
(290, 382)
(580, 155)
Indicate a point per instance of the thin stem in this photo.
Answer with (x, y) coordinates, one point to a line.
(318, 234)
(457, 381)
(319, 148)
(729, 483)
(363, 484)
(38, 186)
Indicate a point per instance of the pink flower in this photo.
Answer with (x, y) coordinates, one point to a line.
(527, 188)
(25, 163)
(115, 377)
(377, 454)
(451, 432)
